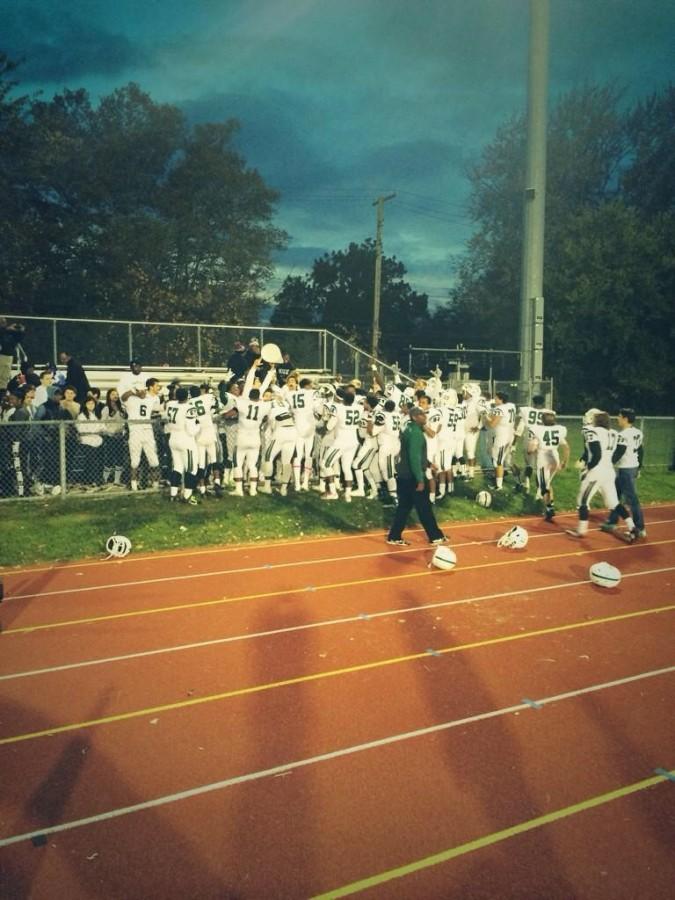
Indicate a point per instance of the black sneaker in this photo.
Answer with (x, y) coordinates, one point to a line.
(398, 543)
(440, 540)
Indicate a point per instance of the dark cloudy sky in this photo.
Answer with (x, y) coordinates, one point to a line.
(343, 100)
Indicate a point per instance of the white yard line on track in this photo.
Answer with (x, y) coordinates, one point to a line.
(187, 553)
(297, 628)
(270, 567)
(285, 768)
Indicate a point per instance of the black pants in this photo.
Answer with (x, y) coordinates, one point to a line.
(409, 497)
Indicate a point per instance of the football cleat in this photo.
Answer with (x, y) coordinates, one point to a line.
(398, 542)
(574, 533)
(440, 540)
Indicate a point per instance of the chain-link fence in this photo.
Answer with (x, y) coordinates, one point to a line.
(55, 458)
(58, 458)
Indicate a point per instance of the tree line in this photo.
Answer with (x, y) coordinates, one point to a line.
(122, 209)
(609, 277)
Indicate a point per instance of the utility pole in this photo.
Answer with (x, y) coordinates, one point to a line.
(532, 277)
(379, 203)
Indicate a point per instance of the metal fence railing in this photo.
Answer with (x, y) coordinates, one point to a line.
(110, 343)
(42, 458)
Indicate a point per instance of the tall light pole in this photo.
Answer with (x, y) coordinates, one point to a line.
(379, 203)
(532, 277)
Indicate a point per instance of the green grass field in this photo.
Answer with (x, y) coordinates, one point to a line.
(75, 528)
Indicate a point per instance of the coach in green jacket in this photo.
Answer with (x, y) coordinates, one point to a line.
(411, 483)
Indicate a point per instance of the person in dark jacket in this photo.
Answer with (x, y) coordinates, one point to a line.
(75, 376)
(411, 483)
(237, 360)
(11, 335)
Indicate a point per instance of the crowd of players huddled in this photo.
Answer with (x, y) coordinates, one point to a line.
(267, 428)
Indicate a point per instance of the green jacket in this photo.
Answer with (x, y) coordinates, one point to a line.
(413, 459)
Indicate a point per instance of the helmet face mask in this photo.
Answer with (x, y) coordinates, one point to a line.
(515, 538)
(117, 546)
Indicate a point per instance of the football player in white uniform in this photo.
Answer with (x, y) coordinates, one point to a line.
(597, 471)
(140, 407)
(544, 443)
(450, 440)
(182, 428)
(252, 410)
(306, 408)
(281, 443)
(433, 425)
(343, 423)
(209, 449)
(528, 416)
(365, 462)
(471, 393)
(502, 421)
(386, 428)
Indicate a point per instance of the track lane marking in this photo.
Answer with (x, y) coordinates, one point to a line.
(25, 629)
(495, 838)
(317, 676)
(284, 768)
(289, 543)
(321, 624)
(275, 566)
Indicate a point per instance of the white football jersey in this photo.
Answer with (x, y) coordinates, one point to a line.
(140, 410)
(251, 416)
(181, 420)
(606, 438)
(549, 438)
(346, 427)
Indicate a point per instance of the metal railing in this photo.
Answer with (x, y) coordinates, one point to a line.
(113, 342)
(40, 458)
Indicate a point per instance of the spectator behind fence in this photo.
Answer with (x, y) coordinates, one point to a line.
(25, 376)
(95, 392)
(75, 376)
(44, 389)
(90, 429)
(132, 383)
(11, 335)
(284, 369)
(69, 402)
(114, 439)
(237, 360)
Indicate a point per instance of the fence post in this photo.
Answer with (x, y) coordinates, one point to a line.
(131, 342)
(199, 346)
(62, 458)
(324, 334)
(55, 343)
(334, 354)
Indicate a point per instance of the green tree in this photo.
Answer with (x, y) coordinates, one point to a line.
(123, 210)
(608, 275)
(338, 295)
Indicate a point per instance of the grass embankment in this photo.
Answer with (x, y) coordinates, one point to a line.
(74, 528)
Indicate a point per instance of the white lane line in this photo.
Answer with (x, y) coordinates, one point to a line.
(297, 628)
(285, 768)
(271, 567)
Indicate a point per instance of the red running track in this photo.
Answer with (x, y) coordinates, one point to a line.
(332, 717)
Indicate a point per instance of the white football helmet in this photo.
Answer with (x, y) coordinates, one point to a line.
(588, 417)
(515, 538)
(449, 397)
(117, 545)
(472, 389)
